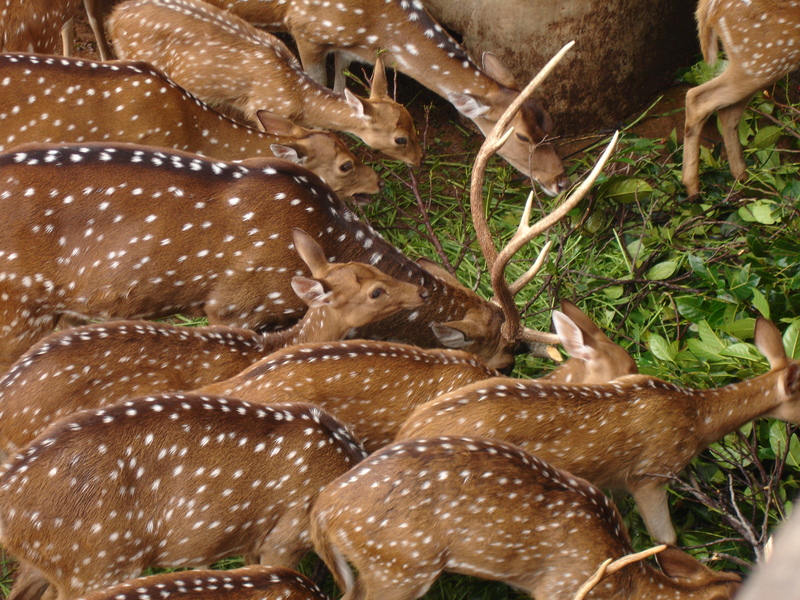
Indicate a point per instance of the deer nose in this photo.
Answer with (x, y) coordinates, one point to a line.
(563, 183)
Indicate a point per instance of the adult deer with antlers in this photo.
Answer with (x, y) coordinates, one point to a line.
(102, 364)
(633, 434)
(411, 41)
(374, 386)
(167, 480)
(762, 42)
(224, 60)
(485, 508)
(49, 99)
(69, 203)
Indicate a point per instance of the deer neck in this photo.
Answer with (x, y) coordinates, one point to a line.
(723, 410)
(319, 324)
(324, 108)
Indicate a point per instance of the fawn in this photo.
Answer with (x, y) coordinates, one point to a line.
(632, 434)
(486, 508)
(168, 480)
(224, 60)
(51, 99)
(374, 386)
(245, 583)
(102, 364)
(407, 38)
(762, 42)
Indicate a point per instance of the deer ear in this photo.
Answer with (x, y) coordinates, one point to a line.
(468, 105)
(438, 270)
(287, 153)
(379, 88)
(454, 334)
(311, 253)
(311, 291)
(497, 70)
(357, 104)
(791, 378)
(680, 566)
(275, 124)
(571, 337)
(580, 319)
(769, 342)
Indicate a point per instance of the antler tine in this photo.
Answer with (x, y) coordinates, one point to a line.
(493, 142)
(525, 278)
(609, 568)
(525, 233)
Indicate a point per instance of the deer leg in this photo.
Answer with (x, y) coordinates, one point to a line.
(728, 89)
(29, 584)
(94, 13)
(68, 37)
(312, 56)
(652, 503)
(729, 123)
(341, 63)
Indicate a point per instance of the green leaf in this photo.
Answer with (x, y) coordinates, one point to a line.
(760, 302)
(760, 211)
(741, 328)
(614, 292)
(791, 340)
(624, 189)
(661, 349)
(709, 337)
(741, 350)
(767, 136)
(662, 270)
(793, 458)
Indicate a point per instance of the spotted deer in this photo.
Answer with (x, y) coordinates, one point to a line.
(50, 99)
(37, 25)
(245, 583)
(168, 480)
(407, 38)
(633, 434)
(88, 264)
(102, 364)
(374, 386)
(762, 41)
(489, 509)
(225, 60)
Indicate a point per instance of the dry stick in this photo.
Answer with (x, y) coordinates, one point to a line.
(609, 568)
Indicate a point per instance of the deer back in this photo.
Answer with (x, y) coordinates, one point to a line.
(134, 232)
(251, 70)
(245, 583)
(500, 513)
(169, 480)
(374, 386)
(51, 99)
(371, 385)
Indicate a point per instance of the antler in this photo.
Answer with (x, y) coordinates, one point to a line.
(609, 568)
(504, 293)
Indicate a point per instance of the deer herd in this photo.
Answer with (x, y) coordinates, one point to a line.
(343, 398)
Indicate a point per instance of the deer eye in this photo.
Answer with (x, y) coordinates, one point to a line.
(401, 141)
(523, 138)
(346, 167)
(377, 293)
